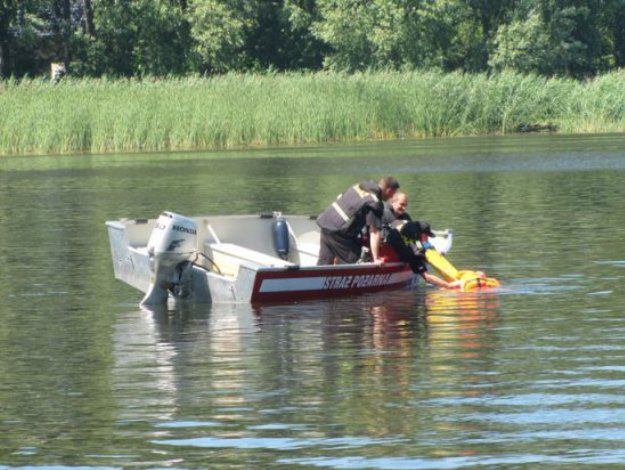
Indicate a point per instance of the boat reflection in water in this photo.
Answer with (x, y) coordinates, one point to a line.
(466, 319)
(234, 376)
(143, 361)
(463, 339)
(439, 333)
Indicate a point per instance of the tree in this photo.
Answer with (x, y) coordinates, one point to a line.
(8, 11)
(87, 18)
(280, 38)
(523, 45)
(363, 34)
(219, 29)
(254, 34)
(159, 37)
(452, 39)
(554, 37)
(344, 26)
(613, 23)
(139, 37)
(450, 34)
(487, 17)
(303, 49)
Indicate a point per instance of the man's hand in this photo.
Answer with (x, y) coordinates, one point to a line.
(456, 284)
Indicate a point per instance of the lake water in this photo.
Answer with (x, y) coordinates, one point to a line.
(531, 375)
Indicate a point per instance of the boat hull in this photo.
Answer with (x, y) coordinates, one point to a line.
(328, 281)
(236, 262)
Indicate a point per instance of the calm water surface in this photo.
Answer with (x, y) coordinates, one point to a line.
(529, 376)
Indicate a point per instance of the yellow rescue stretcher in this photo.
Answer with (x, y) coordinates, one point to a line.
(472, 280)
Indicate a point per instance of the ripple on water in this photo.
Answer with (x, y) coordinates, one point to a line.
(615, 263)
(188, 424)
(278, 443)
(582, 456)
(552, 417)
(530, 399)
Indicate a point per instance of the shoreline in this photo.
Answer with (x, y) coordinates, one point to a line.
(342, 149)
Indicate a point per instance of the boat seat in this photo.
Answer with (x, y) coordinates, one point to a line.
(307, 248)
(310, 249)
(228, 257)
(142, 250)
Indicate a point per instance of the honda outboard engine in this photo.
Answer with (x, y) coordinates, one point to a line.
(172, 244)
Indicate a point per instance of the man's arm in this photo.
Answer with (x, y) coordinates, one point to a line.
(374, 240)
(437, 281)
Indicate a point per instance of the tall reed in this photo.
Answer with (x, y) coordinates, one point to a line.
(105, 115)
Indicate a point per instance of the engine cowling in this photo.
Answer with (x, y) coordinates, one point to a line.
(172, 243)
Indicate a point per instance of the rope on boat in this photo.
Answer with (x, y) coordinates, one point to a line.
(213, 264)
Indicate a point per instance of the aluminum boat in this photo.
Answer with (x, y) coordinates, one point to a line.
(241, 258)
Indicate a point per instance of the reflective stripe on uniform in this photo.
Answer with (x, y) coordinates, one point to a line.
(340, 211)
(345, 214)
(363, 193)
(398, 224)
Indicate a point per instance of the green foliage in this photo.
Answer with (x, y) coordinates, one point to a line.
(237, 35)
(344, 26)
(219, 28)
(560, 38)
(523, 45)
(464, 45)
(142, 37)
(578, 38)
(11, 41)
(613, 27)
(104, 115)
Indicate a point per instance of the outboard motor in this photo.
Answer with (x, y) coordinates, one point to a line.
(172, 243)
(280, 231)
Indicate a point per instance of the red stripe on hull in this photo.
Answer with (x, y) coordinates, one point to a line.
(288, 285)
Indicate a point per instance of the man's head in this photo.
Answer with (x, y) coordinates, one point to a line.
(388, 186)
(418, 231)
(399, 203)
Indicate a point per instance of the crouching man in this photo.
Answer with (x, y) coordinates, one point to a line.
(406, 238)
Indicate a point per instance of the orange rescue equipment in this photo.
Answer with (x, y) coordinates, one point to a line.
(472, 280)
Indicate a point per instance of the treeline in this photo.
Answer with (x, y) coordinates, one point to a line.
(123, 38)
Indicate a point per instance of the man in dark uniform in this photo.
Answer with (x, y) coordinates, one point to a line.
(343, 220)
(394, 209)
(407, 240)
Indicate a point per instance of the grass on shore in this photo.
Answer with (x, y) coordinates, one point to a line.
(105, 115)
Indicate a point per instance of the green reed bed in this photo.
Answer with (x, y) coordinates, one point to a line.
(104, 115)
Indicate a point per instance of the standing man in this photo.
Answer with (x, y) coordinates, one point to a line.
(342, 221)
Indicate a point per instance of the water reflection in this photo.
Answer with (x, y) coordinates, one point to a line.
(144, 361)
(463, 322)
(531, 375)
(327, 375)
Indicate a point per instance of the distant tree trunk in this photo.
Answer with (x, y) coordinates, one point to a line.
(62, 30)
(7, 12)
(1, 60)
(619, 38)
(88, 18)
(66, 32)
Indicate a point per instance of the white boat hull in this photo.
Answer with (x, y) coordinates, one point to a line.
(236, 262)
